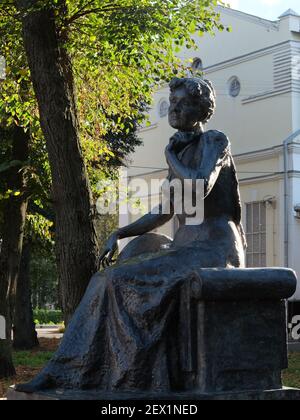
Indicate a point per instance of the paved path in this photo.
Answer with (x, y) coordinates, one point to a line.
(51, 332)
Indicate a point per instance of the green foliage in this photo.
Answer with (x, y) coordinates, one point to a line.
(106, 225)
(17, 100)
(18, 107)
(40, 230)
(120, 51)
(47, 317)
(44, 278)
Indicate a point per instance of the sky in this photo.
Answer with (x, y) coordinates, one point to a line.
(268, 9)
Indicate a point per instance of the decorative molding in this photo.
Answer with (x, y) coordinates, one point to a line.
(277, 176)
(249, 56)
(284, 78)
(265, 154)
(269, 94)
(258, 155)
(144, 129)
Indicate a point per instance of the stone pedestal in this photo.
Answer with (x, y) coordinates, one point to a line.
(240, 346)
(241, 336)
(234, 340)
(283, 394)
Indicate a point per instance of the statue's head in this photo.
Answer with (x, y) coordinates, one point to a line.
(192, 103)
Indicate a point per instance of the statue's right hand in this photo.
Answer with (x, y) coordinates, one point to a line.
(108, 252)
(179, 141)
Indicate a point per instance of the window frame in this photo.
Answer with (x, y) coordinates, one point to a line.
(256, 254)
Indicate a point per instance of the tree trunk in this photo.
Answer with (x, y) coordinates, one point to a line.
(12, 242)
(51, 72)
(25, 336)
(7, 369)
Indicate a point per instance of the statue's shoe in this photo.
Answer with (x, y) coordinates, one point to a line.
(40, 383)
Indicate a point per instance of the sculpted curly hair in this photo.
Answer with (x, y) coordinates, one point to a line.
(200, 88)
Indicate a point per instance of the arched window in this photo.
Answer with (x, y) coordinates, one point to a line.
(163, 108)
(234, 87)
(197, 65)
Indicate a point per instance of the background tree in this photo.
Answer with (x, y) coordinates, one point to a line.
(19, 126)
(14, 216)
(25, 335)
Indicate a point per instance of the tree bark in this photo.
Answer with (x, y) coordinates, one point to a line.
(51, 72)
(25, 336)
(12, 243)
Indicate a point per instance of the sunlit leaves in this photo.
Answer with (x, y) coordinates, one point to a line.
(39, 228)
(122, 50)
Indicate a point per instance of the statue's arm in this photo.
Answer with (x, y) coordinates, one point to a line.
(140, 227)
(215, 151)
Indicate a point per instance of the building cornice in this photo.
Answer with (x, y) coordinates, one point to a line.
(250, 56)
(269, 94)
(276, 176)
(258, 155)
(265, 154)
(149, 128)
(270, 24)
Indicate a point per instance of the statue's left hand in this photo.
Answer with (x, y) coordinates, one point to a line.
(109, 251)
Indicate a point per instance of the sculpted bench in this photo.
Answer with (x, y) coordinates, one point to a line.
(233, 340)
(241, 340)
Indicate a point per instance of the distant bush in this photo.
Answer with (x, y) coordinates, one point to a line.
(47, 317)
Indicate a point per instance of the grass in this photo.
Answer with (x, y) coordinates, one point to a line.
(26, 358)
(291, 377)
(29, 363)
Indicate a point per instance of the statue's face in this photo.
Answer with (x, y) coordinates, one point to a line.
(185, 111)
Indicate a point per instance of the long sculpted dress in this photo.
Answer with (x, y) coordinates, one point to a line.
(129, 332)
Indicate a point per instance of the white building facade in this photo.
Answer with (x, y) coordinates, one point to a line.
(256, 73)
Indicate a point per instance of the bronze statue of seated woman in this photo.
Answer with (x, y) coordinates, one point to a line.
(127, 332)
